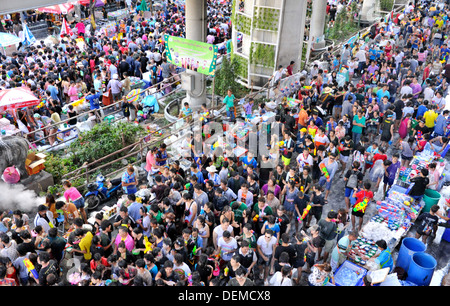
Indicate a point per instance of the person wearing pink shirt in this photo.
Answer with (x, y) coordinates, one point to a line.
(71, 194)
(150, 165)
(124, 236)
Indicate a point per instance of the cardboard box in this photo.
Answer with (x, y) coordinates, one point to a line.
(35, 163)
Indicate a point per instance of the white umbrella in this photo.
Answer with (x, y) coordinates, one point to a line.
(7, 39)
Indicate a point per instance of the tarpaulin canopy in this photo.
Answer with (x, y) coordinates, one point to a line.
(7, 39)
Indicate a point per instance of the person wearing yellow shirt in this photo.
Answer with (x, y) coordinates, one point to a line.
(439, 22)
(85, 237)
(430, 117)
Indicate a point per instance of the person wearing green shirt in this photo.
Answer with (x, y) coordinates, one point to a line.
(229, 105)
(229, 46)
(359, 122)
(238, 208)
(263, 211)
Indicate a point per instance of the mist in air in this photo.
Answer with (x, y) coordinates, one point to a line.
(13, 197)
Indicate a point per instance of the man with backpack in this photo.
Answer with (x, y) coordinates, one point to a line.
(363, 198)
(327, 231)
(353, 178)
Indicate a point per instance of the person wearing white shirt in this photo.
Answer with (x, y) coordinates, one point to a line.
(282, 278)
(179, 266)
(265, 246)
(44, 218)
(304, 159)
(220, 229)
(428, 94)
(406, 90)
(227, 246)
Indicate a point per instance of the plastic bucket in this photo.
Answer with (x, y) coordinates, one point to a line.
(409, 247)
(431, 197)
(421, 269)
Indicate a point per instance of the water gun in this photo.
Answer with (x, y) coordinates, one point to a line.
(30, 267)
(361, 206)
(419, 135)
(189, 279)
(255, 218)
(203, 116)
(214, 146)
(324, 171)
(305, 213)
(148, 245)
(225, 271)
(187, 186)
(312, 132)
(194, 250)
(281, 143)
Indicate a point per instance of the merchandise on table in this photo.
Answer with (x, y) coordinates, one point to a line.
(349, 274)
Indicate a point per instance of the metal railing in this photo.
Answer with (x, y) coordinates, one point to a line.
(140, 145)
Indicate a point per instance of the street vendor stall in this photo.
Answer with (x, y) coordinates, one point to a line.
(395, 214)
(120, 14)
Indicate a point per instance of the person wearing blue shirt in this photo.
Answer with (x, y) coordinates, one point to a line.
(271, 224)
(385, 258)
(250, 160)
(441, 123)
(53, 90)
(350, 95)
(129, 181)
(422, 109)
(383, 92)
(134, 207)
(197, 173)
(94, 99)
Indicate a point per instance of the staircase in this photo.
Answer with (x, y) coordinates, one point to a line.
(39, 29)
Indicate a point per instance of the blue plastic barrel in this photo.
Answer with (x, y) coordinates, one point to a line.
(409, 247)
(421, 269)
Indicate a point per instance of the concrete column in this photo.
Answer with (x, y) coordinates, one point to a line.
(369, 11)
(196, 29)
(318, 17)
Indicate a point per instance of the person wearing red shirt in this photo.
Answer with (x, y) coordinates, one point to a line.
(426, 71)
(380, 155)
(363, 198)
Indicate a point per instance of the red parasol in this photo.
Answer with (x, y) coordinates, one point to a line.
(57, 9)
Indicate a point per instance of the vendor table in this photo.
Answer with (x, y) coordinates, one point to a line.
(396, 213)
(120, 14)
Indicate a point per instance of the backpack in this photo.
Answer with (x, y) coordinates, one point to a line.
(353, 180)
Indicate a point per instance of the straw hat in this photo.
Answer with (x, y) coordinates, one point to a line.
(327, 90)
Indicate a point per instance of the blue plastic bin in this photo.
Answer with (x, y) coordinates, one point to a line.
(421, 269)
(410, 246)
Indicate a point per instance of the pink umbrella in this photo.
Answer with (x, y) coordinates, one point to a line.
(57, 9)
(17, 98)
(88, 2)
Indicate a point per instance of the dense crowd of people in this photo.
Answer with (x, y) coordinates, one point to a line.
(62, 73)
(240, 221)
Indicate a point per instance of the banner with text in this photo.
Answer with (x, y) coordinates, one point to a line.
(190, 54)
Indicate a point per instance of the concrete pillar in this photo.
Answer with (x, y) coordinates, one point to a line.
(369, 11)
(318, 17)
(196, 29)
